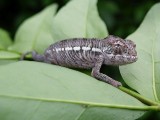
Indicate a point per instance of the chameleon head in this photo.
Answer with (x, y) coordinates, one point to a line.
(120, 51)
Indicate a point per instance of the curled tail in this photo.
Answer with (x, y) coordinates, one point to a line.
(35, 56)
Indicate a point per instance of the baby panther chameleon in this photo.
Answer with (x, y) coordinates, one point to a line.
(90, 53)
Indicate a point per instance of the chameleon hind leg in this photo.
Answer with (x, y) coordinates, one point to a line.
(102, 77)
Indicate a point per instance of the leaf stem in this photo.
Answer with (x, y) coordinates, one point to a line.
(139, 97)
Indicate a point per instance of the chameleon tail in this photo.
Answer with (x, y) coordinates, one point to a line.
(35, 56)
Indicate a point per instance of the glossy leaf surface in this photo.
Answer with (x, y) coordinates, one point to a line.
(79, 18)
(46, 91)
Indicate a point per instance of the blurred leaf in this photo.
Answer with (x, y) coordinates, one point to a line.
(144, 75)
(8, 55)
(8, 61)
(5, 39)
(50, 92)
(35, 32)
(79, 18)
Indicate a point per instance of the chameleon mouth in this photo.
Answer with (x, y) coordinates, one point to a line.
(128, 56)
(122, 59)
(132, 58)
(125, 57)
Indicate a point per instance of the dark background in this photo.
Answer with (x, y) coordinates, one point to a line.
(121, 17)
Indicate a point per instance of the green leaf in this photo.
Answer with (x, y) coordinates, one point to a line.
(79, 18)
(8, 61)
(144, 75)
(8, 55)
(40, 91)
(5, 39)
(35, 32)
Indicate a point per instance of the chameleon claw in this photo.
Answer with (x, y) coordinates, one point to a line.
(116, 83)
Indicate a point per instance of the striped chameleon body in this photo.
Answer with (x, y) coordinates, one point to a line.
(90, 54)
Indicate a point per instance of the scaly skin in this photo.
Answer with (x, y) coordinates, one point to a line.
(90, 54)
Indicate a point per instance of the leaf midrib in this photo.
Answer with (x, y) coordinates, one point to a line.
(87, 104)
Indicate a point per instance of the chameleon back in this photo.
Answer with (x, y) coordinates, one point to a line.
(75, 53)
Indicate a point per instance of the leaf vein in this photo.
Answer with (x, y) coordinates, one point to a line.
(153, 73)
(79, 116)
(89, 104)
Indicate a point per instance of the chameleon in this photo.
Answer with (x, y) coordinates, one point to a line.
(89, 53)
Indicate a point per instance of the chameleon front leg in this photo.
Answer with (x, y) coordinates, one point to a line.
(102, 77)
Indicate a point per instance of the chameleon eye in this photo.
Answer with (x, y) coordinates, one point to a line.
(118, 49)
(117, 45)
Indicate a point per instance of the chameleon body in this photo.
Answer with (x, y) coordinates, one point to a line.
(90, 53)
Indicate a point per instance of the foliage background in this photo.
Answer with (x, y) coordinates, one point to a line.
(121, 17)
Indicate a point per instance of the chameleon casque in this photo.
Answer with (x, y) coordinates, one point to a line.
(90, 53)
